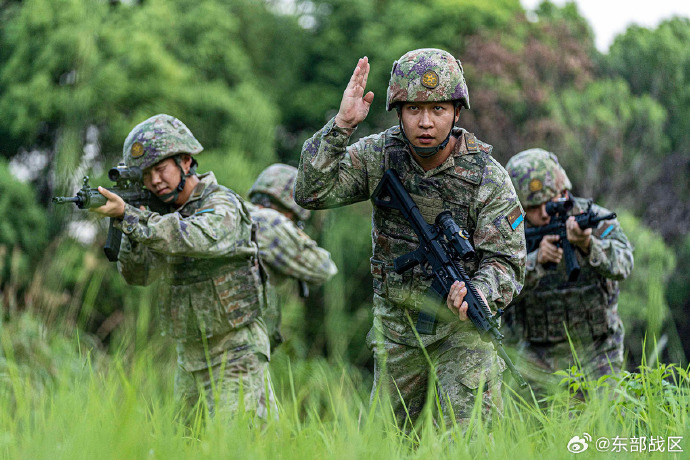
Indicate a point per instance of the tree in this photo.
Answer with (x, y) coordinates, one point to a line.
(613, 139)
(73, 64)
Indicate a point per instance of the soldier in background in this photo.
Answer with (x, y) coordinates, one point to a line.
(550, 306)
(444, 168)
(286, 250)
(212, 291)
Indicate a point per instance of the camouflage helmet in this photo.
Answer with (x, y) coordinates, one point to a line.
(156, 139)
(537, 176)
(278, 182)
(427, 74)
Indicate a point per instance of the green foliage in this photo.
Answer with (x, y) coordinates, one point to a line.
(253, 79)
(335, 34)
(657, 62)
(23, 235)
(515, 73)
(24, 223)
(71, 64)
(611, 134)
(324, 413)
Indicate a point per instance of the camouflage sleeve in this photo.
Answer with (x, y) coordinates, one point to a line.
(499, 238)
(290, 251)
(330, 174)
(534, 271)
(210, 232)
(610, 253)
(138, 265)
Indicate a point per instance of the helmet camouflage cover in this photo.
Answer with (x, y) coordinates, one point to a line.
(537, 176)
(425, 75)
(156, 139)
(278, 181)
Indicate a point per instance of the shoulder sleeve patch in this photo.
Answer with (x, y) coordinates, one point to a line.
(201, 211)
(515, 218)
(603, 231)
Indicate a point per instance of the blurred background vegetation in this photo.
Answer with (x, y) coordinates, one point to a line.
(254, 78)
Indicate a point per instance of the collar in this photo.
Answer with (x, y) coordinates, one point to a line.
(205, 180)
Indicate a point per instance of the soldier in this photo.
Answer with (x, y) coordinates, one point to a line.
(212, 293)
(550, 306)
(288, 252)
(443, 168)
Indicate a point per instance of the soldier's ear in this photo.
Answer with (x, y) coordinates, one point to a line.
(458, 108)
(186, 161)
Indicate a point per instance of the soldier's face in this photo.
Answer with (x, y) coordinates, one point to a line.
(537, 216)
(163, 177)
(427, 124)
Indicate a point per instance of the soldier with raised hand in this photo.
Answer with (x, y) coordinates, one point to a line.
(287, 252)
(212, 292)
(444, 168)
(550, 307)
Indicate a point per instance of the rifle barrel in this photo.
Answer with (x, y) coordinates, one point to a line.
(66, 199)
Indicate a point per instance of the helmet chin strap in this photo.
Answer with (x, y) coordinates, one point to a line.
(424, 152)
(172, 196)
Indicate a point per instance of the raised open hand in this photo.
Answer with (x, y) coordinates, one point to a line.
(354, 107)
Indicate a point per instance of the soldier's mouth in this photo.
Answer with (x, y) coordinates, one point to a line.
(425, 139)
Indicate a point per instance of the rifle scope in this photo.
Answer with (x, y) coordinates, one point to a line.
(458, 237)
(123, 172)
(560, 207)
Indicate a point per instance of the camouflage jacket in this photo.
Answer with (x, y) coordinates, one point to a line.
(287, 253)
(470, 184)
(587, 306)
(204, 251)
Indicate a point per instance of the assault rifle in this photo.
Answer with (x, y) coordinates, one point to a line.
(558, 210)
(441, 246)
(129, 186)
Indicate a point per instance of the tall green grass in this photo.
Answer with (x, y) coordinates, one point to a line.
(89, 406)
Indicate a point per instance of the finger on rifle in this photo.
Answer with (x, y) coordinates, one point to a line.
(463, 311)
(105, 192)
(552, 238)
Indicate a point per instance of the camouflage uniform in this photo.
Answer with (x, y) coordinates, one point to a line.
(587, 307)
(211, 295)
(477, 191)
(286, 251)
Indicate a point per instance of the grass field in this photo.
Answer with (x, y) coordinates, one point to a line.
(60, 399)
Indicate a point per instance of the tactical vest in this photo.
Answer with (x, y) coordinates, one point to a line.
(585, 307)
(212, 296)
(455, 190)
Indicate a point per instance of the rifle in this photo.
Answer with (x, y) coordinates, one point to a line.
(441, 245)
(558, 210)
(129, 186)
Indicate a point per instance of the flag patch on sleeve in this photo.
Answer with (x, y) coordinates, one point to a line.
(515, 218)
(604, 230)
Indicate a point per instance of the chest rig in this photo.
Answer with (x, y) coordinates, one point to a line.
(453, 189)
(584, 306)
(212, 296)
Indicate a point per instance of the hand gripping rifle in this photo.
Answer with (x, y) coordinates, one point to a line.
(129, 186)
(558, 210)
(441, 245)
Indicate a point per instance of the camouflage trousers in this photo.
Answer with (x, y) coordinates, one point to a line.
(237, 378)
(463, 364)
(596, 357)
